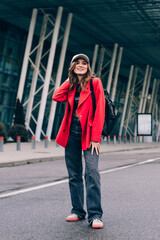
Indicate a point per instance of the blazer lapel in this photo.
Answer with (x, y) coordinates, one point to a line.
(84, 94)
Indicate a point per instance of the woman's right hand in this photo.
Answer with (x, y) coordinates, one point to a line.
(96, 146)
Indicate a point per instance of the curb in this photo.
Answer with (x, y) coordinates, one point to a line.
(54, 158)
(29, 161)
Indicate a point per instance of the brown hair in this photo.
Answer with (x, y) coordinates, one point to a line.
(73, 79)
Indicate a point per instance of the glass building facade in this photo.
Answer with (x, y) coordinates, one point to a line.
(12, 45)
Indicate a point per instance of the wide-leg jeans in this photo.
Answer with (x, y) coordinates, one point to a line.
(73, 158)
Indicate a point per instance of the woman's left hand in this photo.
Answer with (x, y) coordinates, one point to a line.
(96, 146)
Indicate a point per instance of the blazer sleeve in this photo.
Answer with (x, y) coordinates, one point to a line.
(61, 93)
(98, 121)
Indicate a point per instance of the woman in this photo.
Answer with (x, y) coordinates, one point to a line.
(81, 131)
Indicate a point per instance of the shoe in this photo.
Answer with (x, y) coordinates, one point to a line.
(97, 223)
(72, 218)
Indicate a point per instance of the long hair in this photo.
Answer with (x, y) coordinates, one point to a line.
(73, 79)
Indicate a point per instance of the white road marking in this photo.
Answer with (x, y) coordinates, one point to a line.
(17, 192)
(13, 193)
(128, 166)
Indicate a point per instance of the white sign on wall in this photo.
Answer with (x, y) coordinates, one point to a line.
(144, 124)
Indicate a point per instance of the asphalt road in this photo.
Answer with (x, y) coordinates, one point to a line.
(34, 200)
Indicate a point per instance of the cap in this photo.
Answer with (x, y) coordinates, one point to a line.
(81, 55)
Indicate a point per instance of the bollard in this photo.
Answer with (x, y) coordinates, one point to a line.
(108, 140)
(33, 142)
(130, 138)
(125, 139)
(46, 142)
(102, 140)
(105, 139)
(18, 143)
(114, 139)
(1, 143)
(119, 138)
(134, 138)
(142, 139)
(138, 139)
(158, 138)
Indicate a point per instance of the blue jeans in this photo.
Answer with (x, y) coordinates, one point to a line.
(73, 158)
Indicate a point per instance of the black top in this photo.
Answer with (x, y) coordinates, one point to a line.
(76, 99)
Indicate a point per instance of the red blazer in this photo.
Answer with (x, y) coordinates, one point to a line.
(91, 128)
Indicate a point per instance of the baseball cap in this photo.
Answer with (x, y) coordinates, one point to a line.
(81, 55)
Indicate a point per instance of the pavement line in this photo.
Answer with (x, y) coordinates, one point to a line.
(14, 193)
(128, 166)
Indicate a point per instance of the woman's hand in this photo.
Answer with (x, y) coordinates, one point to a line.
(95, 145)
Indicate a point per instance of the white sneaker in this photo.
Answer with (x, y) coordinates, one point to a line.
(97, 223)
(72, 218)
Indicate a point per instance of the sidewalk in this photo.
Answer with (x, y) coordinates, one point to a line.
(11, 157)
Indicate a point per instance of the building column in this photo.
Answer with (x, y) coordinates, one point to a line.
(26, 55)
(126, 100)
(36, 70)
(131, 98)
(59, 75)
(158, 129)
(48, 74)
(152, 95)
(157, 122)
(143, 89)
(108, 86)
(100, 63)
(116, 74)
(155, 96)
(94, 58)
(147, 88)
